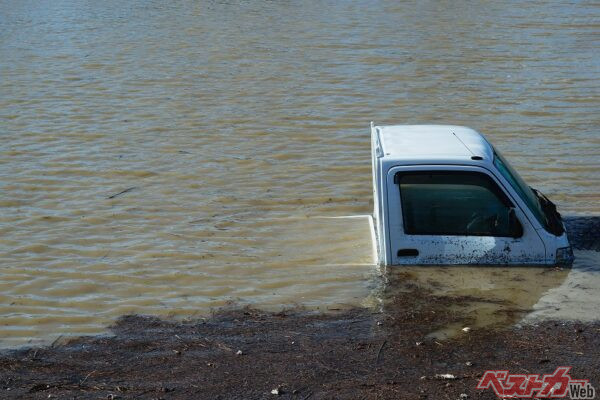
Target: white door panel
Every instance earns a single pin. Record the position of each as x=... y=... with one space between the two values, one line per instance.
x=455 y=249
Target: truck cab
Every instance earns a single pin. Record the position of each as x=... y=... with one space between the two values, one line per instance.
x=444 y=195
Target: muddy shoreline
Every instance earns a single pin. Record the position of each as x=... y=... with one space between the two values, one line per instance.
x=249 y=354
x=392 y=352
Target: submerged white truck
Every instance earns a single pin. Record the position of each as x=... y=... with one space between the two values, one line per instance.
x=444 y=195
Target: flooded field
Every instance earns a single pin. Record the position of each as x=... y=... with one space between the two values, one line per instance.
x=167 y=159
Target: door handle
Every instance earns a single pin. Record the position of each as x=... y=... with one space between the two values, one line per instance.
x=408 y=253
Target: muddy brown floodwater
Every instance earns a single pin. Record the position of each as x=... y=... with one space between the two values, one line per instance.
x=170 y=158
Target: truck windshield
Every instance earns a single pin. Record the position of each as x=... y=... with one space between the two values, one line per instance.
x=519 y=185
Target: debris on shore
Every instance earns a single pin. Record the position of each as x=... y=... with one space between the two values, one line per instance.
x=298 y=354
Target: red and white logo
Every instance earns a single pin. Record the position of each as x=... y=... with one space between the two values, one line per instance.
x=556 y=385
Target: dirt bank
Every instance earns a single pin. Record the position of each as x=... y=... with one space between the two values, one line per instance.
x=246 y=354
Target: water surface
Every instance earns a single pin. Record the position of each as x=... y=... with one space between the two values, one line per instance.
x=233 y=123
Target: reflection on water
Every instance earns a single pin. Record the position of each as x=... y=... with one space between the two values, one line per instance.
x=227 y=118
x=500 y=295
x=503 y=296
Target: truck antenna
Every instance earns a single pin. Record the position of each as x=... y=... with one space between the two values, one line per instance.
x=463 y=143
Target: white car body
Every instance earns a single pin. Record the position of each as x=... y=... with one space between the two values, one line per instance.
x=423 y=154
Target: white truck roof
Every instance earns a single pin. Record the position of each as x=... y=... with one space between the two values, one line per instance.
x=433 y=144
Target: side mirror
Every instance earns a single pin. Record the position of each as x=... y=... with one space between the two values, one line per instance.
x=515 y=228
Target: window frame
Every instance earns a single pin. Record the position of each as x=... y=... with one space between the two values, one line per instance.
x=497 y=190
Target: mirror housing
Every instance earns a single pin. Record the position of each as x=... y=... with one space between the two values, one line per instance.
x=514 y=225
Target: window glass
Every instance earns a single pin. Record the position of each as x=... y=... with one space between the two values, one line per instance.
x=453 y=203
x=520 y=187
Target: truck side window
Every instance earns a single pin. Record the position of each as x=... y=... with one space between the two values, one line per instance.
x=453 y=203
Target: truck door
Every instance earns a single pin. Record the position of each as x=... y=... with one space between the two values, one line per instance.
x=456 y=215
